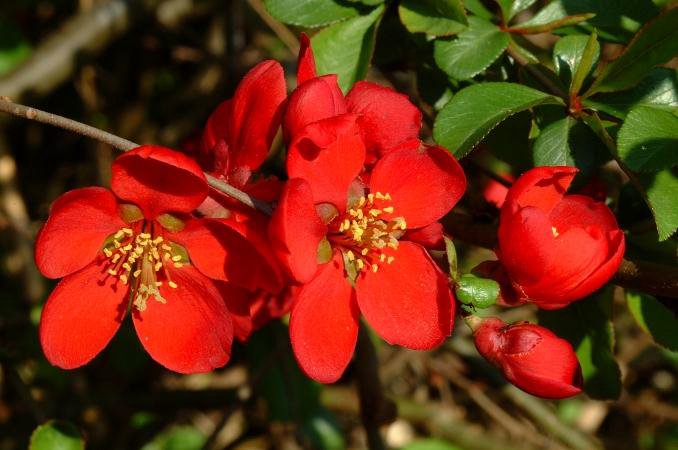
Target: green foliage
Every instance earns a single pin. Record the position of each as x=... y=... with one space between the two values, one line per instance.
x=56 y=435
x=434 y=17
x=430 y=444
x=655 y=43
x=452 y=262
x=476 y=110
x=473 y=51
x=13 y=46
x=509 y=8
x=311 y=13
x=660 y=191
x=177 y=438
x=587 y=325
x=648 y=139
x=346 y=48
x=654 y=318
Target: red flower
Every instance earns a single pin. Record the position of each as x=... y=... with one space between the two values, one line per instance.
x=343 y=239
x=138 y=248
x=235 y=142
x=556 y=248
x=531 y=357
x=385 y=118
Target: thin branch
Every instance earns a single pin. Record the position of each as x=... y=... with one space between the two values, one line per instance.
x=543 y=79
x=26 y=112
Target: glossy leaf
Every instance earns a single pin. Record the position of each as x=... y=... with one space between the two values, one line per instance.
x=654 y=318
x=509 y=8
x=587 y=325
x=346 y=48
x=56 y=435
x=660 y=190
x=551 y=26
x=178 y=438
x=570 y=56
x=473 y=51
x=566 y=142
x=660 y=87
x=310 y=13
x=655 y=43
x=434 y=17
x=648 y=139
x=476 y=110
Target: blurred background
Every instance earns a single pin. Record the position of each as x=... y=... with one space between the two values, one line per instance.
x=151 y=71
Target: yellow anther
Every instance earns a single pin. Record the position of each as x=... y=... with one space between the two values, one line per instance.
x=364 y=251
x=360 y=214
x=127 y=247
x=157 y=266
x=127 y=267
x=176 y=258
x=127 y=231
x=116 y=257
x=361 y=202
x=158 y=283
x=158 y=240
x=112 y=272
x=360 y=264
x=350 y=255
x=554 y=231
x=390 y=259
x=107 y=252
x=137 y=273
x=387 y=196
x=123 y=278
x=167 y=256
x=379 y=195
x=154 y=252
x=116 y=243
x=118 y=234
x=392 y=244
x=346 y=224
x=166 y=247
x=144 y=235
x=370 y=198
x=353 y=212
x=375 y=212
x=388 y=209
x=178 y=265
x=375 y=268
x=172 y=284
x=382 y=257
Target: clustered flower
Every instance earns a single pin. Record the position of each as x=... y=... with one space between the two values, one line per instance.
x=351 y=236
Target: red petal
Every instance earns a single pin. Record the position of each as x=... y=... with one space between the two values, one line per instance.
x=305 y=61
x=238 y=302
x=190 y=333
x=526 y=245
x=158 y=180
x=386 y=117
x=256 y=114
x=296 y=230
x=324 y=323
x=329 y=154
x=425 y=182
x=430 y=236
x=220 y=252
x=408 y=302
x=541 y=187
x=81 y=316
x=78 y=224
x=581 y=211
x=317 y=99
x=216 y=131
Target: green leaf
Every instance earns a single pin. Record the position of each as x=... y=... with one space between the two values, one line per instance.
x=586 y=324
x=346 y=48
x=660 y=87
x=434 y=17
x=660 y=190
x=473 y=51
x=323 y=431
x=451 y=253
x=648 y=139
x=570 y=56
x=476 y=110
x=509 y=8
x=430 y=444
x=310 y=13
x=550 y=26
x=654 y=318
x=180 y=437
x=585 y=64
x=479 y=292
x=567 y=142
x=14 y=49
x=477 y=8
x=433 y=86
x=655 y=43
x=56 y=435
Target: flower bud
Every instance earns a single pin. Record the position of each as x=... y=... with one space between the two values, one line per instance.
x=531 y=357
x=556 y=248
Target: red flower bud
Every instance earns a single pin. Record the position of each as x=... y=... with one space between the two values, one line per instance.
x=531 y=357
x=556 y=248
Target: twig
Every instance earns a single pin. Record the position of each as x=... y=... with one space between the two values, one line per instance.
x=284 y=34
x=543 y=79
x=26 y=112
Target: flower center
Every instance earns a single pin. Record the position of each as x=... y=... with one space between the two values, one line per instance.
x=363 y=234
x=139 y=259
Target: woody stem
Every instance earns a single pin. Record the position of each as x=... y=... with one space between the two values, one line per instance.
x=27 y=112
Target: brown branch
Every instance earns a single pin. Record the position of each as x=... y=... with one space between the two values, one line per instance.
x=26 y=112
x=650 y=277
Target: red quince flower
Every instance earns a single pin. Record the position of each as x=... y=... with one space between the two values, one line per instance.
x=343 y=238
x=531 y=357
x=384 y=117
x=234 y=143
x=556 y=248
x=136 y=247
